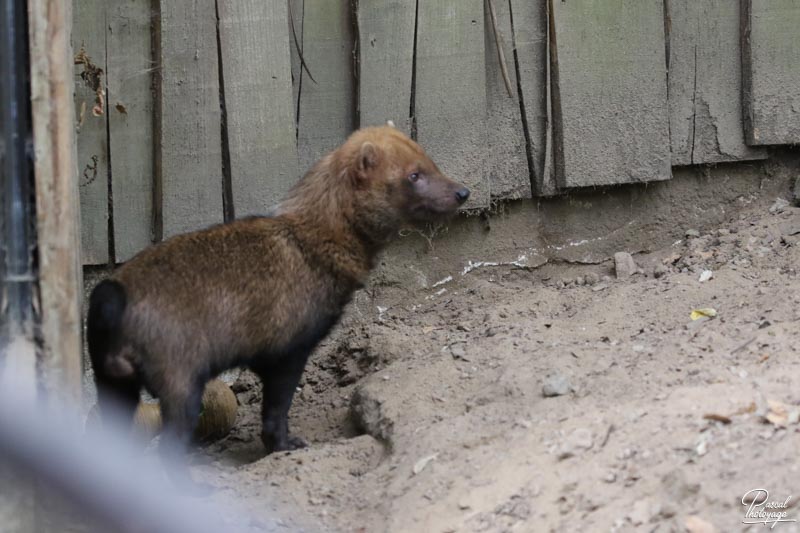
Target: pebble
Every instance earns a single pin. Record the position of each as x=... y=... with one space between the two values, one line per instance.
x=624 y=265
x=705 y=275
x=692 y=233
x=458 y=352
x=577 y=441
x=659 y=270
x=556 y=385
x=591 y=278
x=779 y=205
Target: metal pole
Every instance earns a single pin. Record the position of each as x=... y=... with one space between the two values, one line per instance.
x=17 y=178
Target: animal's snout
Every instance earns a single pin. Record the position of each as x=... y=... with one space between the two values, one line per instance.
x=462 y=195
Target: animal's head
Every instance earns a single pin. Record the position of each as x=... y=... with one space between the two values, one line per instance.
x=394 y=179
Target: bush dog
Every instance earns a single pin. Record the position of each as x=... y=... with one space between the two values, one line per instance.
x=259 y=292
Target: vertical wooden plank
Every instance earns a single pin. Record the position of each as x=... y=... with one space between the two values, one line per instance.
x=130 y=109
x=327 y=107
x=58 y=219
x=257 y=78
x=705 y=83
x=88 y=33
x=530 y=29
x=191 y=145
x=611 y=119
x=450 y=93
x=386 y=61
x=771 y=87
x=509 y=175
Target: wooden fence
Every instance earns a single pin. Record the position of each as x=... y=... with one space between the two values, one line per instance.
x=191 y=112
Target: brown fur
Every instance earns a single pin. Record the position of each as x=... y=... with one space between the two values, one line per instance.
x=264 y=291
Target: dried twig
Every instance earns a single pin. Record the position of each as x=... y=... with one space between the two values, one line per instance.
x=498 y=40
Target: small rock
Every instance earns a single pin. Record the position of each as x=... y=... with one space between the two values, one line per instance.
x=579 y=440
x=705 y=275
x=624 y=265
x=580 y=280
x=458 y=352
x=695 y=524
x=640 y=513
x=691 y=233
x=420 y=465
x=591 y=278
x=659 y=270
x=610 y=477
x=779 y=205
x=556 y=385
x=599 y=287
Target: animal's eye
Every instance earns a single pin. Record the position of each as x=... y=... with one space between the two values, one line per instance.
x=413 y=177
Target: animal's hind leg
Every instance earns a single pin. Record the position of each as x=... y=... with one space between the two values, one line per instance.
x=180 y=411
x=117 y=399
x=280 y=381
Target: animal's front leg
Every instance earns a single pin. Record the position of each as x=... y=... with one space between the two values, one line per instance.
x=280 y=381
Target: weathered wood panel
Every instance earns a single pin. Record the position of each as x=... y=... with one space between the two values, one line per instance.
x=130 y=109
x=257 y=78
x=509 y=175
x=327 y=107
x=450 y=95
x=771 y=48
x=705 y=80
x=610 y=92
x=191 y=146
x=386 y=60
x=89 y=21
x=530 y=30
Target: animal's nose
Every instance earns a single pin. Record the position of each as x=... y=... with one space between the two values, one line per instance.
x=462 y=194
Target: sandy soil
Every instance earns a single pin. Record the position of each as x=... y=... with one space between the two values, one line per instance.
x=551 y=399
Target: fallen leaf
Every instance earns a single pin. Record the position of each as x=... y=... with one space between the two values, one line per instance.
x=708 y=312
x=782 y=415
x=747 y=409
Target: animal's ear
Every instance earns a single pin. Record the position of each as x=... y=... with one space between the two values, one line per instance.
x=368 y=157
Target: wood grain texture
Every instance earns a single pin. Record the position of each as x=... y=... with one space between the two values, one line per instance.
x=327 y=107
x=532 y=54
x=191 y=130
x=386 y=60
x=705 y=80
x=450 y=93
x=58 y=218
x=130 y=109
x=257 y=77
x=509 y=175
x=89 y=21
x=611 y=119
x=771 y=71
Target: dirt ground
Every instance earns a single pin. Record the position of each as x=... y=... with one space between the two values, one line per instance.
x=557 y=398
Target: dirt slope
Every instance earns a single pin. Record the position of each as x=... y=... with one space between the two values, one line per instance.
x=428 y=413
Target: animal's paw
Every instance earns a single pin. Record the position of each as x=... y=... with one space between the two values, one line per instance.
x=295 y=443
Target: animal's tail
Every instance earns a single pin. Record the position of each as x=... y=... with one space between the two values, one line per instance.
x=115 y=376
x=106 y=307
